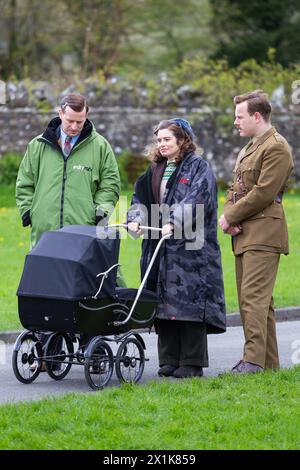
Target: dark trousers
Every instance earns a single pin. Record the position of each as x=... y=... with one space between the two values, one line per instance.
x=182 y=343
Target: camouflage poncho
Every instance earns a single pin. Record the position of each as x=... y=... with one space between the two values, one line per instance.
x=188 y=281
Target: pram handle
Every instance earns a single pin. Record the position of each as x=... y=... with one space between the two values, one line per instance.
x=143 y=227
x=104 y=276
x=165 y=237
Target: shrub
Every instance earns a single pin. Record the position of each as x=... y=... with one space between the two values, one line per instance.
x=9 y=165
x=131 y=166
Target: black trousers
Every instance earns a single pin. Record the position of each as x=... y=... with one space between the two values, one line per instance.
x=182 y=343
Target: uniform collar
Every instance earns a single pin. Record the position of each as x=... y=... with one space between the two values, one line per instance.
x=258 y=141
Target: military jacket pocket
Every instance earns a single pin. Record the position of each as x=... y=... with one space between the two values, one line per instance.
x=249 y=175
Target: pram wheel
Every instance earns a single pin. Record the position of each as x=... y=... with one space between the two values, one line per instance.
x=26 y=358
x=99 y=364
x=130 y=361
x=59 y=352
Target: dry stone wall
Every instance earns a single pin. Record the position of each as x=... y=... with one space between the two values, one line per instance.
x=130 y=128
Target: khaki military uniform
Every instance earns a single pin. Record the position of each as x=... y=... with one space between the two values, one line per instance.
x=255 y=202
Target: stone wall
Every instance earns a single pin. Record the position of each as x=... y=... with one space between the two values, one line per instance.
x=130 y=128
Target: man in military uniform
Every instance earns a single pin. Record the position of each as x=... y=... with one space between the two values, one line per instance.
x=254 y=216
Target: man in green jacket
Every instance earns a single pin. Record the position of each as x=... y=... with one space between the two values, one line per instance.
x=69 y=174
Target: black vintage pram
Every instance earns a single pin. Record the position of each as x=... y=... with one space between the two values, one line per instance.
x=68 y=291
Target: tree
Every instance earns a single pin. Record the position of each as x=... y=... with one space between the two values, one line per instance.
x=163 y=33
x=57 y=38
x=99 y=27
x=32 y=38
x=248 y=29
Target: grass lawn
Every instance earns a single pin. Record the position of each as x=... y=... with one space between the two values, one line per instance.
x=260 y=411
x=14 y=244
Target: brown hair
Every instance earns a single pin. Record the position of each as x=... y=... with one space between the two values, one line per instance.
x=257 y=102
x=76 y=102
x=184 y=140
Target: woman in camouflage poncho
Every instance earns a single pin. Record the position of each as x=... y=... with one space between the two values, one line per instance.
x=188 y=274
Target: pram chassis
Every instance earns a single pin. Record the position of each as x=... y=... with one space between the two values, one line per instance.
x=58 y=354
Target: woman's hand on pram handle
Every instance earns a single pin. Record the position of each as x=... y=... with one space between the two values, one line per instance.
x=167 y=229
x=135 y=229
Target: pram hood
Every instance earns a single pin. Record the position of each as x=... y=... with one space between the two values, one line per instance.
x=64 y=264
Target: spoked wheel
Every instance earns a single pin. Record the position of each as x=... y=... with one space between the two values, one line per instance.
x=27 y=357
x=99 y=366
x=130 y=361
x=59 y=353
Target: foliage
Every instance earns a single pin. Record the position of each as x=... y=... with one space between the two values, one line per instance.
x=122 y=164
x=197 y=84
x=253 y=412
x=131 y=167
x=246 y=30
x=162 y=34
x=88 y=36
x=122 y=37
x=214 y=83
x=9 y=165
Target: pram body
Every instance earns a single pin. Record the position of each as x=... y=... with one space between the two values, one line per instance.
x=59 y=294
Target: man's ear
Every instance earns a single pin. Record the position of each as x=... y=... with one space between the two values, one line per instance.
x=60 y=113
x=258 y=116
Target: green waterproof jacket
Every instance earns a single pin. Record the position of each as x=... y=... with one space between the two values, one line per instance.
x=52 y=192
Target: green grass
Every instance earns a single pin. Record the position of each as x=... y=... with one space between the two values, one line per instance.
x=259 y=411
x=14 y=244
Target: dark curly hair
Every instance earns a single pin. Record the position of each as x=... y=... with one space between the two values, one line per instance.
x=184 y=139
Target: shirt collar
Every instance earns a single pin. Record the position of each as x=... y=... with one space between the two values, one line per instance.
x=63 y=136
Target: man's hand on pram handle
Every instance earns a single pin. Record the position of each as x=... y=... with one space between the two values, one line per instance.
x=135 y=228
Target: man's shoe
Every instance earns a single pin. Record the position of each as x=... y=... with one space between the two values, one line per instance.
x=236 y=368
x=166 y=370
x=188 y=371
x=244 y=367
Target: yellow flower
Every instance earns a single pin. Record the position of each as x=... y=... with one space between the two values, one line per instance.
x=3 y=209
x=222 y=199
x=21 y=244
x=1 y=239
